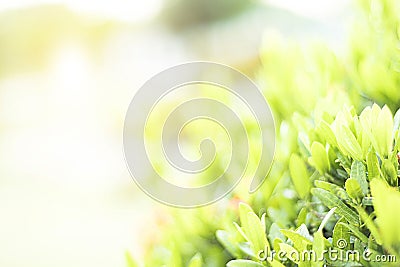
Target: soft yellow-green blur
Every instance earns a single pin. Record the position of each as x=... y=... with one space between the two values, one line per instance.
x=68 y=70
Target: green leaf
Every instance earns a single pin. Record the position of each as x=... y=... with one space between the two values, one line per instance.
x=383 y=131
x=299 y=175
x=320 y=158
x=319 y=240
x=354 y=190
x=301 y=219
x=246 y=249
x=318 y=247
x=324 y=185
x=276 y=243
x=341 y=236
x=370 y=224
x=325 y=130
x=355 y=231
x=224 y=238
x=275 y=263
x=289 y=252
x=389 y=172
x=331 y=201
x=396 y=142
x=372 y=165
x=241 y=232
x=243 y=263
x=244 y=209
x=326 y=219
x=396 y=122
x=263 y=221
x=348 y=143
x=196 y=261
x=253 y=229
x=358 y=173
x=275 y=232
x=344 y=161
x=303 y=231
x=366 y=120
x=386 y=204
x=256 y=233
x=334 y=189
x=363 y=137
x=299 y=242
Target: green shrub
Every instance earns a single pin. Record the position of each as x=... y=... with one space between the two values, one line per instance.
x=352 y=164
x=334 y=182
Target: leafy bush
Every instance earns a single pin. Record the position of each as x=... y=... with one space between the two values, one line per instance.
x=348 y=167
x=334 y=182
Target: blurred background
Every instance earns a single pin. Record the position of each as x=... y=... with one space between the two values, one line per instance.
x=68 y=71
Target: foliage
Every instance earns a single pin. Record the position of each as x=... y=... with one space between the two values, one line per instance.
x=357 y=184
x=334 y=183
